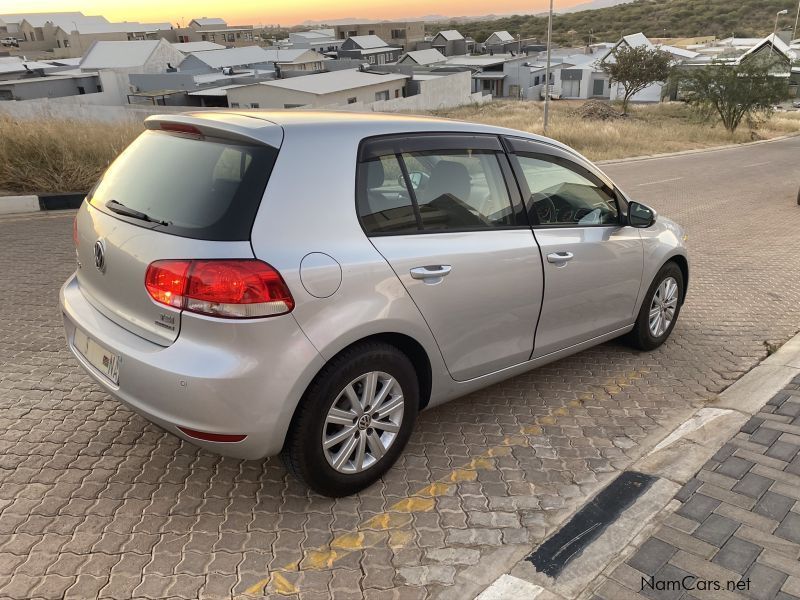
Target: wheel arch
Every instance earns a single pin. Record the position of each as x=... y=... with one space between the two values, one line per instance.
x=683 y=265
x=406 y=344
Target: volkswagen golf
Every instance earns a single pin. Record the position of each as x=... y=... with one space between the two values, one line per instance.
x=303 y=284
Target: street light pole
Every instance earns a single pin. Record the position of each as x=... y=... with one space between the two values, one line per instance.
x=547 y=69
x=796 y=19
x=775 y=29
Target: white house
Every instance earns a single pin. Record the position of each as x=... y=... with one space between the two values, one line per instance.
x=115 y=61
x=656 y=91
x=349 y=86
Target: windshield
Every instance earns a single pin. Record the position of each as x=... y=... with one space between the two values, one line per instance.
x=200 y=189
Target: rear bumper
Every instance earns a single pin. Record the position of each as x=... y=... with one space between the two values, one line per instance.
x=219 y=376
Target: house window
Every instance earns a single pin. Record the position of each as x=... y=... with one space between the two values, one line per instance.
x=81 y=89
x=352 y=100
x=381 y=95
x=66 y=43
x=255 y=105
x=397 y=93
x=58 y=43
x=230 y=37
x=372 y=32
x=234 y=105
x=399 y=34
x=204 y=37
x=248 y=35
x=536 y=80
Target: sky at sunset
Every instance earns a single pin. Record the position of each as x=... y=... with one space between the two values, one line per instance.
x=272 y=12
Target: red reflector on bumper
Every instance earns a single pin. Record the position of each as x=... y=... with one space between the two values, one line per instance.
x=212 y=437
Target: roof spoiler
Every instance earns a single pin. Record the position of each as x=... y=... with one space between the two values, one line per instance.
x=221 y=125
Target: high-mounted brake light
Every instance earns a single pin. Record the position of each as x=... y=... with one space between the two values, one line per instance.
x=237 y=288
x=183 y=128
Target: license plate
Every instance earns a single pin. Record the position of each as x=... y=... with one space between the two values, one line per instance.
x=101 y=359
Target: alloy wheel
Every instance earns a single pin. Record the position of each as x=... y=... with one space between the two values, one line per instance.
x=363 y=422
x=663 y=307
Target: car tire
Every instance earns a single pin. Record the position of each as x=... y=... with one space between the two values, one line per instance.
x=668 y=284
x=320 y=419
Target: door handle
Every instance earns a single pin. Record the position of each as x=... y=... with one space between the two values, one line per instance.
x=560 y=258
x=431 y=272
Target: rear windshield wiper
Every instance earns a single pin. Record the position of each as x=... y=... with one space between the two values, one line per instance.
x=121 y=209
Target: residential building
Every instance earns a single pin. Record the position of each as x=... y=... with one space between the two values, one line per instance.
x=423 y=58
x=319 y=40
x=36 y=31
x=251 y=57
x=405 y=34
x=51 y=86
x=115 y=61
x=74 y=40
x=492 y=74
x=369 y=48
x=215 y=29
x=207 y=23
x=324 y=89
x=771 y=50
x=451 y=43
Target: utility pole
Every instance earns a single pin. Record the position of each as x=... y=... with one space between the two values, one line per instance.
x=796 y=19
x=547 y=69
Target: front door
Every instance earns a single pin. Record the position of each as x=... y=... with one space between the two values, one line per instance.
x=439 y=210
x=592 y=262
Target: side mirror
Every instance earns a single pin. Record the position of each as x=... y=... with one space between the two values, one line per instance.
x=641 y=216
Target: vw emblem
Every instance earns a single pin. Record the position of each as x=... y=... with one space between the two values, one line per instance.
x=99 y=256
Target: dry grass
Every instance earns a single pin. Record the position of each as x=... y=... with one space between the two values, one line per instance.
x=650 y=129
x=47 y=155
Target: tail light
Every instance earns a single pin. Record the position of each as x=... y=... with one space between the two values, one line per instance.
x=237 y=289
x=75 y=231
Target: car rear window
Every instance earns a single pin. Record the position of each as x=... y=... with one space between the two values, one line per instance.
x=202 y=189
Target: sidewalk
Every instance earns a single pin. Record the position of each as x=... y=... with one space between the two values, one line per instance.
x=738 y=525
x=712 y=512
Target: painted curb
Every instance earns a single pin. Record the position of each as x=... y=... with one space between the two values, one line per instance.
x=620 y=161
x=12 y=205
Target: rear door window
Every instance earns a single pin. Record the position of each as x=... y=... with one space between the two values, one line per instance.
x=459 y=189
x=202 y=189
x=431 y=183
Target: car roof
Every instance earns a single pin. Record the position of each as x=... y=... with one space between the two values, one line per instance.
x=362 y=125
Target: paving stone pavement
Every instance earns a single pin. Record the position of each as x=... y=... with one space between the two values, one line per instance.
x=738 y=526
x=95 y=501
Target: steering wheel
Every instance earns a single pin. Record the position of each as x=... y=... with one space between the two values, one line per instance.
x=546 y=210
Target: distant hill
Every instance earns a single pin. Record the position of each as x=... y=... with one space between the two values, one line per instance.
x=656 y=18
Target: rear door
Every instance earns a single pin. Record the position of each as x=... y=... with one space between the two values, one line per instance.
x=200 y=194
x=592 y=262
x=441 y=212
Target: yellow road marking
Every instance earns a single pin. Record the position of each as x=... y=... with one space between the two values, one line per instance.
x=400 y=514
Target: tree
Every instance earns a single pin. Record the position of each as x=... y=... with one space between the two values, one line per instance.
x=634 y=68
x=735 y=91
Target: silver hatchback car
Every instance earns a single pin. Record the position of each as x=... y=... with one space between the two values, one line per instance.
x=302 y=284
